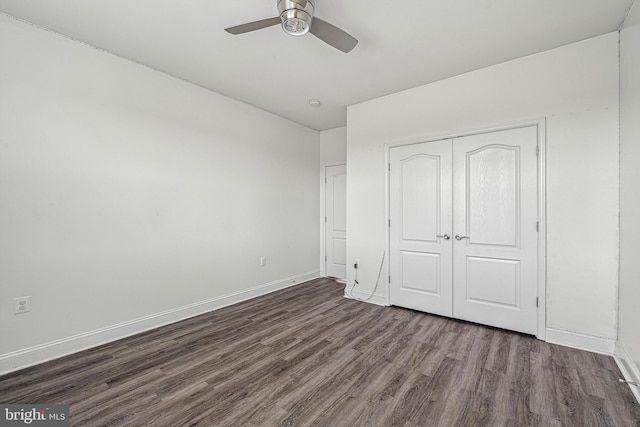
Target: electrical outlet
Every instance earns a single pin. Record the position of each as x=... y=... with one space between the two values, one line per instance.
x=21 y=305
x=263 y=261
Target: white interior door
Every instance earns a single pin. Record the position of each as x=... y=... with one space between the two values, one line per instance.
x=421 y=227
x=336 y=221
x=481 y=191
x=495 y=226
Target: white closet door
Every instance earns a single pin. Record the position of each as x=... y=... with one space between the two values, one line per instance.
x=336 y=221
x=495 y=220
x=420 y=215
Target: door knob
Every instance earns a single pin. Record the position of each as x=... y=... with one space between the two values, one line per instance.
x=444 y=236
x=459 y=237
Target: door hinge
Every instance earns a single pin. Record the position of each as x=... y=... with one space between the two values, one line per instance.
x=538 y=226
x=325 y=258
x=325 y=219
x=325 y=179
x=537 y=302
x=389 y=167
x=389 y=223
x=537 y=150
x=389 y=279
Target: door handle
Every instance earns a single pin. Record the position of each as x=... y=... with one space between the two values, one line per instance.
x=459 y=237
x=444 y=236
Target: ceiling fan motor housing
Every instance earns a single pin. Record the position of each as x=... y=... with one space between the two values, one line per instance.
x=296 y=16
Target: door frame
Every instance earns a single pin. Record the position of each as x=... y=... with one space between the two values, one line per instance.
x=323 y=214
x=540 y=123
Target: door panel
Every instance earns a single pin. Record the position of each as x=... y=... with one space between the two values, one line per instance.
x=495 y=205
x=336 y=221
x=421 y=212
x=420 y=271
x=339 y=191
x=420 y=200
x=504 y=276
x=493 y=210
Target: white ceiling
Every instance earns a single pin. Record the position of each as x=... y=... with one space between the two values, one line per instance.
x=403 y=44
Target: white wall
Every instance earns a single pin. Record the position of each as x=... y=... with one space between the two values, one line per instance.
x=629 y=327
x=333 y=146
x=576 y=88
x=333 y=151
x=125 y=192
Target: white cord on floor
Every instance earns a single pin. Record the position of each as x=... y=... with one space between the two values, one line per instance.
x=355 y=282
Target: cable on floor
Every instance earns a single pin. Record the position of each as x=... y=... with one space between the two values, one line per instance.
x=355 y=282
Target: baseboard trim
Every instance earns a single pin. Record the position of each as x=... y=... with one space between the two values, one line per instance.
x=581 y=341
x=24 y=358
x=628 y=368
x=365 y=296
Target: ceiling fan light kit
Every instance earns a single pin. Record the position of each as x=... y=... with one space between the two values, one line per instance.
x=296 y=19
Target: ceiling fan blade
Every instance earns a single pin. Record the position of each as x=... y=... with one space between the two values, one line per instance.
x=332 y=35
x=252 y=26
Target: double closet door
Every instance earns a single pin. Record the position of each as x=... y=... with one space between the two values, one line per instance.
x=464 y=231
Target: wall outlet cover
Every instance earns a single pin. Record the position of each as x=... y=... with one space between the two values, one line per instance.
x=21 y=305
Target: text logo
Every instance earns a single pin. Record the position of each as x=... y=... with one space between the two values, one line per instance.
x=34 y=415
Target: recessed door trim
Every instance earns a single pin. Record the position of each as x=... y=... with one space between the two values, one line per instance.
x=541 y=201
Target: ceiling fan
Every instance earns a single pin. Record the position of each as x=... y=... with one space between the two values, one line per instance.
x=296 y=18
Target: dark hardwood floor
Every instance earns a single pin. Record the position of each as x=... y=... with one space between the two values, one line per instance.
x=308 y=356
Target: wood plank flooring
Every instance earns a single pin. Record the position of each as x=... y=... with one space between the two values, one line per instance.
x=307 y=356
